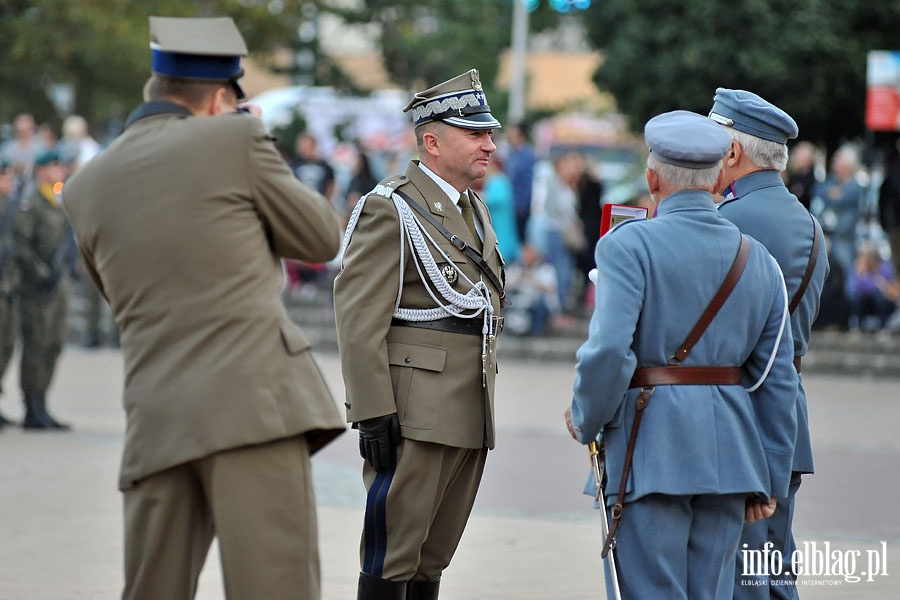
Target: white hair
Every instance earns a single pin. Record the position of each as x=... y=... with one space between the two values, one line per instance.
x=765 y=154
x=684 y=178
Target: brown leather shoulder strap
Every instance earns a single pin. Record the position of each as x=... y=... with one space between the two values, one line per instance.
x=731 y=279
x=810 y=268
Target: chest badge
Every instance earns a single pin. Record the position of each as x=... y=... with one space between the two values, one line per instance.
x=438 y=207
x=450 y=274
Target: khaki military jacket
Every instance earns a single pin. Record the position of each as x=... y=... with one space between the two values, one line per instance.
x=433 y=379
x=182 y=222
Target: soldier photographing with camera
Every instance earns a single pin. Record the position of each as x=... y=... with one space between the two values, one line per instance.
x=182 y=224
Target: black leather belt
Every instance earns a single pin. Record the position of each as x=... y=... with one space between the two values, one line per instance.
x=451 y=324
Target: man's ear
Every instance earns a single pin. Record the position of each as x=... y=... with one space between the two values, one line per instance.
x=219 y=102
x=431 y=143
x=653 y=182
x=734 y=154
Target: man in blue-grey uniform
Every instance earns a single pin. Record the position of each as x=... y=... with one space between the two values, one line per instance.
x=757 y=201
x=689 y=336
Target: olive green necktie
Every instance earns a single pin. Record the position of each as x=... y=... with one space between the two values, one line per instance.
x=465 y=209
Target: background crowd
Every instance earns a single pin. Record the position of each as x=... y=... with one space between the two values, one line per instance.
x=546 y=211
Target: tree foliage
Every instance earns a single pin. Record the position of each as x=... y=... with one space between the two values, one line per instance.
x=425 y=42
x=100 y=48
x=807 y=57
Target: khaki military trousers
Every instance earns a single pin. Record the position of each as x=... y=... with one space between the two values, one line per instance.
x=416 y=514
x=257 y=500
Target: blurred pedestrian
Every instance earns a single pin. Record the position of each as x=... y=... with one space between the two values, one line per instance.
x=362 y=181
x=757 y=201
x=224 y=401
x=21 y=151
x=801 y=172
x=709 y=454
x=589 y=188
x=77 y=146
x=8 y=274
x=498 y=195
x=418 y=304
x=309 y=166
x=531 y=285
x=840 y=201
x=45 y=254
x=555 y=227
x=520 y=168
x=889 y=203
x=873 y=290
x=315 y=172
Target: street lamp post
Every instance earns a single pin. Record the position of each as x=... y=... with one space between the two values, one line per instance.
x=517 y=62
x=519 y=50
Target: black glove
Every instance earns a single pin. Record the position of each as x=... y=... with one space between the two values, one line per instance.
x=378 y=439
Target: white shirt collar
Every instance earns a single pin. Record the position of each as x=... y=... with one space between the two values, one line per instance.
x=451 y=191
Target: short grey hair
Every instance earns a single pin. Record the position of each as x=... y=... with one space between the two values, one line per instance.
x=684 y=178
x=764 y=154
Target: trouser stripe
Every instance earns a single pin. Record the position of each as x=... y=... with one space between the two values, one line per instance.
x=375 y=527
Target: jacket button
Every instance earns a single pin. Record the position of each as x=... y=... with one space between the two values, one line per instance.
x=407 y=360
x=346 y=404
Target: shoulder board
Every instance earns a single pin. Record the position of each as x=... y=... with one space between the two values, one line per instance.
x=622 y=224
x=387 y=186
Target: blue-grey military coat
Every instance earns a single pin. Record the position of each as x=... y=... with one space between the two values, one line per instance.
x=655 y=278
x=763 y=208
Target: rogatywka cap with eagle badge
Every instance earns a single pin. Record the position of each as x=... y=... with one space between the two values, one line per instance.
x=459 y=102
x=206 y=49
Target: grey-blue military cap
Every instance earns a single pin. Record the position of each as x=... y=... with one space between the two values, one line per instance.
x=747 y=112
x=686 y=139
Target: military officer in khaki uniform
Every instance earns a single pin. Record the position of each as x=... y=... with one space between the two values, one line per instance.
x=418 y=305
x=182 y=224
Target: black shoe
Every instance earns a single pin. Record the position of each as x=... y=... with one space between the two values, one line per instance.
x=422 y=590
x=37 y=417
x=375 y=588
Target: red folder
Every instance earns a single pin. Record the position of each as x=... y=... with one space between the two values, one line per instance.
x=613 y=214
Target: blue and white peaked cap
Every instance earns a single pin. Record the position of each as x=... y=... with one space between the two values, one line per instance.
x=207 y=49
x=459 y=102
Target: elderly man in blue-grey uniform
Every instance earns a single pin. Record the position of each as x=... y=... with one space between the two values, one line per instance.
x=717 y=440
x=757 y=201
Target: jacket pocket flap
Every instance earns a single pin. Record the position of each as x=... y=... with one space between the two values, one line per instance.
x=456 y=255
x=294 y=340
x=430 y=358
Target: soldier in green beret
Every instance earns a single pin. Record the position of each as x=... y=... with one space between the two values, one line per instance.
x=44 y=251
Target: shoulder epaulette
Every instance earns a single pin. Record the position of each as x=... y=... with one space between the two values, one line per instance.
x=387 y=186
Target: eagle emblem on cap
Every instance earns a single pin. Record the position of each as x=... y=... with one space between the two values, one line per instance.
x=450 y=274
x=476 y=80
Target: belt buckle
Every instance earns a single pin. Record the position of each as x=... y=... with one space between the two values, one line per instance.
x=497 y=322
